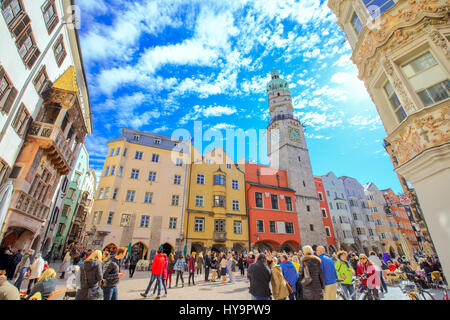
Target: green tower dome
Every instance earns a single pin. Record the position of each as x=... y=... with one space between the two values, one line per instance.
x=276 y=83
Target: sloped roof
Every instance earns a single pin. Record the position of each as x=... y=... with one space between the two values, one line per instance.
x=67 y=81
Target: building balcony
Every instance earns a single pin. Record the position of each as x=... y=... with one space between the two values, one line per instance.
x=220 y=236
x=362 y=237
x=359 y=223
x=103 y=229
x=346 y=226
x=51 y=139
x=349 y=240
x=28 y=206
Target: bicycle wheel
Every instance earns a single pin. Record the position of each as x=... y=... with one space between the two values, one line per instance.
x=340 y=296
x=425 y=295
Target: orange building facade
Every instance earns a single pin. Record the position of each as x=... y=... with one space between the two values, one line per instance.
x=271 y=210
x=401 y=218
x=327 y=222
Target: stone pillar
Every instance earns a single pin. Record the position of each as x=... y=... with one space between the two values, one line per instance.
x=155 y=237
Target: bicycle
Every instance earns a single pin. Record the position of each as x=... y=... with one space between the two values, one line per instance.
x=413 y=289
x=361 y=292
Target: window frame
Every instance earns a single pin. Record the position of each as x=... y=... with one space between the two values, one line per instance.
x=52 y=22
x=257 y=226
x=199 y=224
x=61 y=55
x=148 y=197
x=237 y=223
x=145 y=221
x=277 y=207
x=20 y=123
x=198 y=198
x=256 y=199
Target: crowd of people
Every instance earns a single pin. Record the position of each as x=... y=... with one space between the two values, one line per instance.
x=309 y=274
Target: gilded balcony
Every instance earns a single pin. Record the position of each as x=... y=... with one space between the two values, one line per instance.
x=52 y=140
x=28 y=206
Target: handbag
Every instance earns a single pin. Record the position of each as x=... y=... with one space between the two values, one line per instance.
x=307 y=277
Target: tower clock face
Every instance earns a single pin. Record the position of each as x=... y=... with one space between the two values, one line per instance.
x=294 y=134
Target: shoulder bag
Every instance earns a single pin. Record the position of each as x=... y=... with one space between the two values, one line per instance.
x=307 y=277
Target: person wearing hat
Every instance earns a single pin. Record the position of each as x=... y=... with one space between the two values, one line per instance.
x=259 y=276
x=345 y=274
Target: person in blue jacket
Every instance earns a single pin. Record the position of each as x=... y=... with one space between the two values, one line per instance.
x=329 y=273
x=290 y=274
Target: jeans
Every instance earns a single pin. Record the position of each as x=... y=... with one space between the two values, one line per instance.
x=20 y=278
x=260 y=298
x=179 y=274
x=164 y=283
x=348 y=290
x=153 y=278
x=110 y=293
x=383 y=284
x=231 y=275
x=292 y=296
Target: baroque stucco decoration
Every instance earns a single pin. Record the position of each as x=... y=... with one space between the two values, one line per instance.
x=398 y=85
x=394 y=29
x=430 y=130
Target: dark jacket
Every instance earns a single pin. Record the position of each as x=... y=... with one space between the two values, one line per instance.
x=44 y=287
x=90 y=276
x=207 y=259
x=134 y=259
x=111 y=272
x=313 y=291
x=259 y=276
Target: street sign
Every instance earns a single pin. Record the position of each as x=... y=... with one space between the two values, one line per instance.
x=404 y=200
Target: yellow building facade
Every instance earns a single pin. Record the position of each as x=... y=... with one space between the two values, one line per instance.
x=140 y=196
x=385 y=225
x=215 y=216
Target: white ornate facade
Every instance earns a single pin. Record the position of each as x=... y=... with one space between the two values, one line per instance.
x=402 y=52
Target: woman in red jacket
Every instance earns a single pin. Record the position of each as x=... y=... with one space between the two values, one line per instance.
x=191 y=265
x=369 y=277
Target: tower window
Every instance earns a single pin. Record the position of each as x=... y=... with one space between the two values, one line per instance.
x=278 y=94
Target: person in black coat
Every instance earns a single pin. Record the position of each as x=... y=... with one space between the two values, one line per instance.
x=241 y=263
x=133 y=262
x=90 y=277
x=259 y=276
x=207 y=263
x=314 y=290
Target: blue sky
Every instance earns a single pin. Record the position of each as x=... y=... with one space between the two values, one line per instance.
x=159 y=65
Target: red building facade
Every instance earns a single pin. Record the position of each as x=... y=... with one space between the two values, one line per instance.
x=327 y=221
x=271 y=209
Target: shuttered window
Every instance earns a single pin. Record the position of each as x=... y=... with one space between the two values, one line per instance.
x=7 y=92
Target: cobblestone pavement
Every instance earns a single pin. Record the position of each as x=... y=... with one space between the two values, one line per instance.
x=130 y=288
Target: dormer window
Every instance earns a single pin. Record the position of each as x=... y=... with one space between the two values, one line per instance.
x=136 y=137
x=377 y=7
x=157 y=141
x=356 y=23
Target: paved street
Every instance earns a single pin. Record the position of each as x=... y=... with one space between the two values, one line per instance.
x=129 y=288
